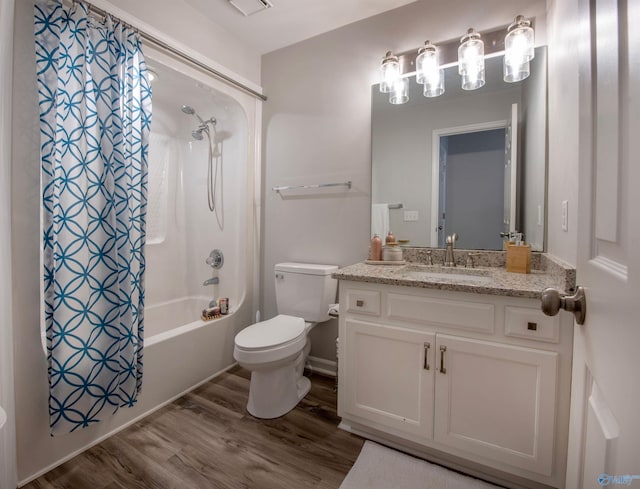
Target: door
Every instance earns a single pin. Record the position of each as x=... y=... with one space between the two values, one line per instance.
x=496 y=401
x=604 y=441
x=467 y=184
x=388 y=377
x=471 y=180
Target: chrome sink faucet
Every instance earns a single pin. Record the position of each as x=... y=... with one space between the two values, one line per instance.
x=449 y=258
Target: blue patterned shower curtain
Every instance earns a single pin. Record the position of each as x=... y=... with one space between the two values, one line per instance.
x=95 y=115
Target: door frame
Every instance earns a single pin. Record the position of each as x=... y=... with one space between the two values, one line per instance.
x=8 y=461
x=437 y=134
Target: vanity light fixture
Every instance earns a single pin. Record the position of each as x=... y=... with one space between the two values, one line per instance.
x=400 y=92
x=389 y=72
x=471 y=60
x=428 y=71
x=517 y=45
x=518 y=50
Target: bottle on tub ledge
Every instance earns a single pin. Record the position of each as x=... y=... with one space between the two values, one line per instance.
x=375 y=250
x=216 y=311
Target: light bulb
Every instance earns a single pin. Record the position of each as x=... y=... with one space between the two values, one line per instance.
x=389 y=72
x=428 y=70
x=400 y=92
x=471 y=60
x=518 y=50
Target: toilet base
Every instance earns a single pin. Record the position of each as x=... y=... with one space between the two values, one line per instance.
x=274 y=392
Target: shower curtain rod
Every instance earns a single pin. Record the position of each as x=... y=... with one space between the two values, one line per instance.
x=163 y=45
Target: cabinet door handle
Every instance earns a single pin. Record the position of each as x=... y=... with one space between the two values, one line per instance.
x=426 y=355
x=443 y=349
x=359 y=303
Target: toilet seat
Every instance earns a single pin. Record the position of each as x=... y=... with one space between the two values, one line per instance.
x=271 y=333
x=270 y=341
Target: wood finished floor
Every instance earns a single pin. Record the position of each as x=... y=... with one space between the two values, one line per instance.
x=206 y=439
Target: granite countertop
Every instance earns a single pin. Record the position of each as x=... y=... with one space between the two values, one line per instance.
x=493 y=280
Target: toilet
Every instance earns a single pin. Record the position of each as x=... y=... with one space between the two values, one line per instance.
x=275 y=351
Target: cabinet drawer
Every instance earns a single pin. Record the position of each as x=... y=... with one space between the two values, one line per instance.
x=532 y=324
x=470 y=316
x=363 y=302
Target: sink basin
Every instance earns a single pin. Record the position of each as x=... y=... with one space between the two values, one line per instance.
x=427 y=274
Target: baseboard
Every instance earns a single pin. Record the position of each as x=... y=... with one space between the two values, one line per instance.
x=120 y=428
x=322 y=366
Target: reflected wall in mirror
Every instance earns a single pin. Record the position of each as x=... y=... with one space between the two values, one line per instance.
x=449 y=160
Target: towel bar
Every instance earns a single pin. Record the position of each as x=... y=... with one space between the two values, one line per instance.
x=319 y=185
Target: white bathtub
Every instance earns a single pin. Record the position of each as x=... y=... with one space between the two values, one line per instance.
x=171 y=318
x=182 y=351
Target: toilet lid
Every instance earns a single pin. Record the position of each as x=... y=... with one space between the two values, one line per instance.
x=274 y=332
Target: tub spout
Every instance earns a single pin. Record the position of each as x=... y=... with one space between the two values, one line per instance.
x=212 y=281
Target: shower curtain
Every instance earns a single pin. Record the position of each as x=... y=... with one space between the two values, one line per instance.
x=95 y=115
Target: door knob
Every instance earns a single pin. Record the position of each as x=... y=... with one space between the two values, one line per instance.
x=553 y=301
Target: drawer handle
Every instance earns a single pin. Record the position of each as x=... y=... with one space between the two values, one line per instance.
x=359 y=303
x=426 y=355
x=532 y=326
x=443 y=349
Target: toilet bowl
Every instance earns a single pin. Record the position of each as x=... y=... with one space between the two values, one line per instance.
x=275 y=350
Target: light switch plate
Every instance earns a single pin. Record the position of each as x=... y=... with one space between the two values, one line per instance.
x=565 y=215
x=410 y=216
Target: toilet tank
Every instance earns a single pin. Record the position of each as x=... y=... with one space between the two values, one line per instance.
x=305 y=290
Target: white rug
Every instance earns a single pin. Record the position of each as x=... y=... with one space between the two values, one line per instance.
x=380 y=467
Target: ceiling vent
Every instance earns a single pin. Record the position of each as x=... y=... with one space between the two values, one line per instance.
x=250 y=7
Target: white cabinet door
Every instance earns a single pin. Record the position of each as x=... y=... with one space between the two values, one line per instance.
x=496 y=401
x=387 y=377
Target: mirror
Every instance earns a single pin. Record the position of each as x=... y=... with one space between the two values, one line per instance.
x=467 y=162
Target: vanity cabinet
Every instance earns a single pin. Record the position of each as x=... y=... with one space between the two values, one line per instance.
x=477 y=377
x=389 y=379
x=496 y=401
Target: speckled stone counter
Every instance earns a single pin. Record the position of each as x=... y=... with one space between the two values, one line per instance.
x=494 y=280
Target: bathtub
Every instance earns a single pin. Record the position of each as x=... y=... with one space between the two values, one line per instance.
x=182 y=351
x=171 y=318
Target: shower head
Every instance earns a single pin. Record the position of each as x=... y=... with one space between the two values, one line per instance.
x=187 y=109
x=204 y=125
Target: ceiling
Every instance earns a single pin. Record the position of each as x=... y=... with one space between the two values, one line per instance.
x=290 y=21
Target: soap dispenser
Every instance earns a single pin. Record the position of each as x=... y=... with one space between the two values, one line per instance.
x=390 y=240
x=375 y=251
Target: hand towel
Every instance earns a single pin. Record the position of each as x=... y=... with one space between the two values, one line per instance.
x=380 y=220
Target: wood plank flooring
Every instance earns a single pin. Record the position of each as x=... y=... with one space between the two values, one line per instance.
x=206 y=439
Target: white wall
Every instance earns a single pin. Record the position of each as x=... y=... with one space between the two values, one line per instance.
x=8 y=474
x=178 y=20
x=317 y=128
x=563 y=129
